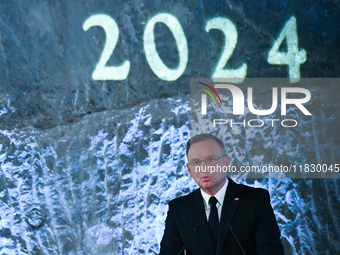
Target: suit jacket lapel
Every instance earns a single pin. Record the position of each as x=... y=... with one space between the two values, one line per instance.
x=203 y=232
x=230 y=205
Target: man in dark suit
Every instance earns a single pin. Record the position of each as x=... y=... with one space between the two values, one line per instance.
x=221 y=217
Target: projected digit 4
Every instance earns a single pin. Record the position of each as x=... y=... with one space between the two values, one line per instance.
x=293 y=57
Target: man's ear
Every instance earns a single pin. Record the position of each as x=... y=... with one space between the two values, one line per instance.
x=188 y=166
x=227 y=160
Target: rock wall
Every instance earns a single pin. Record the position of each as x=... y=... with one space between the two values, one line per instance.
x=101 y=186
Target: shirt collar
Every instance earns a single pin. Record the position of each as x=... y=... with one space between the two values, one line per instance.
x=219 y=195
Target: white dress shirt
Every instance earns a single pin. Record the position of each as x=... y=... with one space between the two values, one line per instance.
x=220 y=198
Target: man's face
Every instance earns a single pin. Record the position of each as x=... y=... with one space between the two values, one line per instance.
x=210 y=182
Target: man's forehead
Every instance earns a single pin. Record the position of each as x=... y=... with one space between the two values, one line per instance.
x=208 y=145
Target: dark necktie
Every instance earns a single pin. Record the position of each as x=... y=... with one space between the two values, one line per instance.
x=213 y=218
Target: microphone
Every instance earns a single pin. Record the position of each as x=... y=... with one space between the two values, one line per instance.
x=237 y=240
x=194 y=232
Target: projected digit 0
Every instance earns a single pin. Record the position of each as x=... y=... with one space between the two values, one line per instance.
x=230 y=40
x=293 y=57
x=102 y=72
x=154 y=61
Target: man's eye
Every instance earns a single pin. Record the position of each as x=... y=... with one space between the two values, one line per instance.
x=196 y=162
x=211 y=160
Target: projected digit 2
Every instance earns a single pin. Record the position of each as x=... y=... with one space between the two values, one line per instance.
x=154 y=61
x=102 y=72
x=293 y=57
x=230 y=35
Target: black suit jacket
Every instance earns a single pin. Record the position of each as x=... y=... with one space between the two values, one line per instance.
x=246 y=211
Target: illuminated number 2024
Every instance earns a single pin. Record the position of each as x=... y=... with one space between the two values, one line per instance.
x=102 y=72
x=293 y=57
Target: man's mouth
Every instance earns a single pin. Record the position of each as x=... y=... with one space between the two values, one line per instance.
x=205 y=178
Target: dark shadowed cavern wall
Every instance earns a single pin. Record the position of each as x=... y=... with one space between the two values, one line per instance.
x=92 y=142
